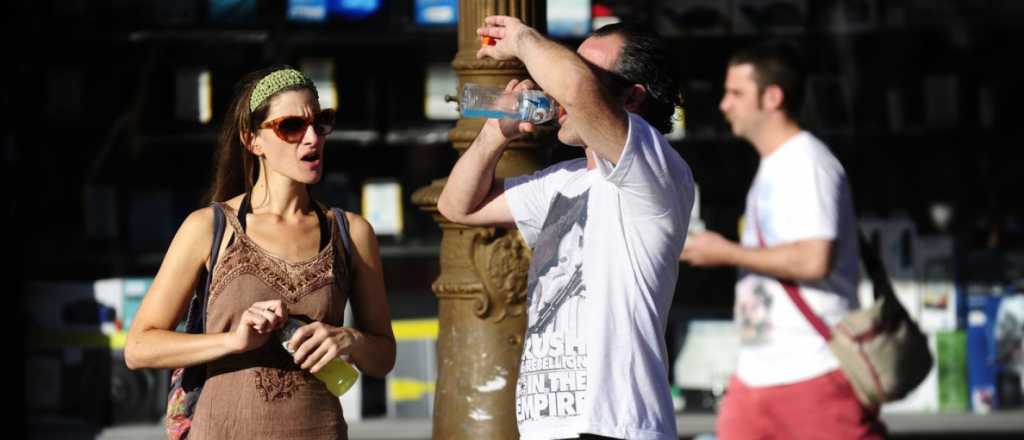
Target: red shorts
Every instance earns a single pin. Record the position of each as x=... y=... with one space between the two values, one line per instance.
x=820 y=408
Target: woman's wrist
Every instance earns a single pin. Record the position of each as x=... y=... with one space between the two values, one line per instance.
x=357 y=344
x=228 y=344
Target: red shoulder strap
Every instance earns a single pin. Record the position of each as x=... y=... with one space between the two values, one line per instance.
x=793 y=291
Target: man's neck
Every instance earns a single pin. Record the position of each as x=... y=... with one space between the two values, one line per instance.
x=591 y=159
x=773 y=136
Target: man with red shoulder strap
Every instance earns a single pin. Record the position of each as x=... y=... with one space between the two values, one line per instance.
x=799 y=226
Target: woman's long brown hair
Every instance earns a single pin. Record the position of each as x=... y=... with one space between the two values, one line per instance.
x=235 y=168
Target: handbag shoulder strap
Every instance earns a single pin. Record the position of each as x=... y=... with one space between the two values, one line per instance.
x=793 y=291
x=194 y=377
x=346 y=239
x=876 y=270
x=196 y=320
x=892 y=309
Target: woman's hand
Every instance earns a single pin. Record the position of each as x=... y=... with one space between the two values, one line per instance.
x=317 y=344
x=257 y=324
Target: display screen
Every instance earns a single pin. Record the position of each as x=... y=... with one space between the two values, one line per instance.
x=441 y=80
x=309 y=11
x=437 y=12
x=568 y=18
x=353 y=9
x=319 y=11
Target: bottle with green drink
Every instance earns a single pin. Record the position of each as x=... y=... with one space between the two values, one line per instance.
x=338 y=376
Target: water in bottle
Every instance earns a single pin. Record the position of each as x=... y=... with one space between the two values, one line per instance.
x=480 y=101
x=337 y=375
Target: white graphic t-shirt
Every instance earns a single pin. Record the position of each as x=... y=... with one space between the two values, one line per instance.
x=800 y=192
x=605 y=245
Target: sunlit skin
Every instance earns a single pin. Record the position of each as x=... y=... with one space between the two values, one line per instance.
x=757 y=116
x=741 y=102
x=595 y=116
x=282 y=223
x=600 y=52
x=283 y=160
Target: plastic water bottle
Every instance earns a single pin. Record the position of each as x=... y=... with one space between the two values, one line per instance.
x=337 y=375
x=480 y=101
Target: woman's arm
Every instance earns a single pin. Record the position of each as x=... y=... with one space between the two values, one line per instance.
x=370 y=344
x=152 y=341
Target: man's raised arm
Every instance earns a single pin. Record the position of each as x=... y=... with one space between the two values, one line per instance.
x=473 y=196
x=599 y=117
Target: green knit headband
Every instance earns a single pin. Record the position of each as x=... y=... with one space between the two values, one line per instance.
x=277 y=81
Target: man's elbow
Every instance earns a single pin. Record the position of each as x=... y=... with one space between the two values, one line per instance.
x=575 y=96
x=817 y=272
x=449 y=212
x=582 y=84
x=811 y=260
x=454 y=212
x=813 y=269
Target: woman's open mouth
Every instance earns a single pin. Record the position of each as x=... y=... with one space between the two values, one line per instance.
x=312 y=160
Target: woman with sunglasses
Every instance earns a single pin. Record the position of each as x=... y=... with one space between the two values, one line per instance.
x=281 y=257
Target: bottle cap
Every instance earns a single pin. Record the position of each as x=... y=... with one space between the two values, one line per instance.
x=285 y=334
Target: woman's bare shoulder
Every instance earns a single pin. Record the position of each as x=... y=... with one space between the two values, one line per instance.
x=358 y=224
x=198 y=224
x=358 y=227
x=233 y=203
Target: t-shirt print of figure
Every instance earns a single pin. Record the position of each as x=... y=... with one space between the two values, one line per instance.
x=753 y=311
x=553 y=372
x=558 y=292
x=555 y=285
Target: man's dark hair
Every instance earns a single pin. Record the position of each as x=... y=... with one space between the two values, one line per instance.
x=780 y=64
x=645 y=59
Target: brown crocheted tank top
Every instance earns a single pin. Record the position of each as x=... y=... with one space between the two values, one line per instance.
x=254 y=394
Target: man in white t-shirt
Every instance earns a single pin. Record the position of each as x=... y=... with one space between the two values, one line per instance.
x=605 y=231
x=799 y=226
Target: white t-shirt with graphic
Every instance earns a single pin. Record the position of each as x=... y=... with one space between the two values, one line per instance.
x=605 y=246
x=800 y=192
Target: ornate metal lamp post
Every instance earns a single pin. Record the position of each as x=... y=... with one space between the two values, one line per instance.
x=482 y=286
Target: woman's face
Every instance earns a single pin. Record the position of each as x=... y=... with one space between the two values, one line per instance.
x=302 y=160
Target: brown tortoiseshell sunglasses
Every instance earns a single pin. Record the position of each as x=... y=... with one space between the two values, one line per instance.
x=291 y=129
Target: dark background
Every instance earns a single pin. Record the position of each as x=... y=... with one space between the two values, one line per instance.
x=90 y=97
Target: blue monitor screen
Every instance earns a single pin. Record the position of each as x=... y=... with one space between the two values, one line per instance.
x=354 y=9
x=437 y=12
x=307 y=10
